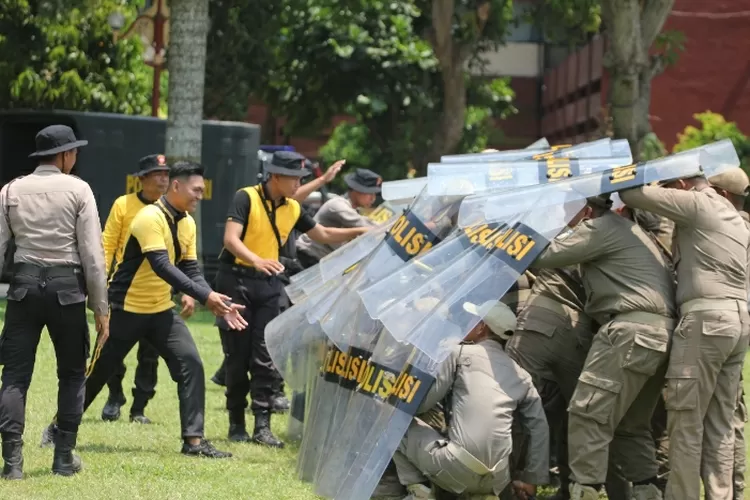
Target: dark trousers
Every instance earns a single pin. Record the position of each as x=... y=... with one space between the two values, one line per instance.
x=245 y=351
x=169 y=335
x=145 y=378
x=39 y=297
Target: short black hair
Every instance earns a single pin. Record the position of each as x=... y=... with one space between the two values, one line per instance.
x=183 y=169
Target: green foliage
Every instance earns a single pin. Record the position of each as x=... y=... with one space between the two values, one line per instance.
x=62 y=55
x=394 y=151
x=652 y=148
x=713 y=127
x=669 y=45
x=567 y=21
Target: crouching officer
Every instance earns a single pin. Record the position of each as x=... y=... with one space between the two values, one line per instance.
x=59 y=258
x=258 y=225
x=484 y=391
x=341 y=211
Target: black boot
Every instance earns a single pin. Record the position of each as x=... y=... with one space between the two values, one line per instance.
x=13 y=456
x=237 y=431
x=111 y=410
x=262 y=433
x=280 y=404
x=48 y=436
x=65 y=462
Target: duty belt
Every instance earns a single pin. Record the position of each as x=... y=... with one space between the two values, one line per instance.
x=697 y=305
x=646 y=318
x=36 y=271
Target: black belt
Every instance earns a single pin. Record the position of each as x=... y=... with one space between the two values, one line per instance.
x=36 y=271
x=244 y=271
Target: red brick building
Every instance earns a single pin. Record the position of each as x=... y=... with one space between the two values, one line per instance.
x=561 y=95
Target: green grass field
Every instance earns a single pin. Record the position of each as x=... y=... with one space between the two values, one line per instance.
x=130 y=461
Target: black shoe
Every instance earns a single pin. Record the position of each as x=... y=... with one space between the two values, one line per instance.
x=204 y=449
x=13 y=457
x=140 y=418
x=561 y=494
x=262 y=434
x=65 y=462
x=237 y=431
x=111 y=410
x=48 y=436
x=280 y=404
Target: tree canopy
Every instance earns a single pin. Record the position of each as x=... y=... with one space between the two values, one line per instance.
x=62 y=55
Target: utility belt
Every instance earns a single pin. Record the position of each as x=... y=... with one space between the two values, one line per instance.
x=501 y=470
x=244 y=271
x=43 y=272
x=646 y=318
x=697 y=305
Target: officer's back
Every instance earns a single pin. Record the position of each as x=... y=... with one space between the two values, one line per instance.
x=58 y=260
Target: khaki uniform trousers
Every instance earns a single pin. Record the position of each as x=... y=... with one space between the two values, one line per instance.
x=553 y=347
x=424 y=454
x=611 y=408
x=740 y=419
x=703 y=379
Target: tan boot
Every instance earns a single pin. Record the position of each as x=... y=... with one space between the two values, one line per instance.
x=419 y=492
x=581 y=492
x=647 y=492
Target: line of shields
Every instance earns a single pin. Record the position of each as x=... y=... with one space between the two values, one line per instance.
x=373 y=320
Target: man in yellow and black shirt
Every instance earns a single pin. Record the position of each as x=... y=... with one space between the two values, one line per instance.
x=153 y=174
x=258 y=225
x=160 y=254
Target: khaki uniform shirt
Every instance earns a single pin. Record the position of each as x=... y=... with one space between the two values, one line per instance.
x=565 y=287
x=488 y=387
x=661 y=227
x=54 y=219
x=710 y=242
x=623 y=269
x=746 y=217
x=336 y=212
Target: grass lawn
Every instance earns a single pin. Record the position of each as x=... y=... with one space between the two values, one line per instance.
x=130 y=461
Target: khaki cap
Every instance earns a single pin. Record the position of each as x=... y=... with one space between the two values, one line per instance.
x=733 y=181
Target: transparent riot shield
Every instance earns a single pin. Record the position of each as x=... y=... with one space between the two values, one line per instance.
x=343 y=258
x=708 y=160
x=540 y=144
x=388 y=394
x=594 y=149
x=412 y=276
x=306 y=279
x=452 y=179
x=403 y=189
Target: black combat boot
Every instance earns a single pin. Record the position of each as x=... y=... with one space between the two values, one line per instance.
x=12 y=456
x=48 y=436
x=111 y=410
x=280 y=404
x=65 y=462
x=262 y=433
x=237 y=431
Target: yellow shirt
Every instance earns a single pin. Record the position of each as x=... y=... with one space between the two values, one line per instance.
x=117 y=226
x=252 y=208
x=135 y=287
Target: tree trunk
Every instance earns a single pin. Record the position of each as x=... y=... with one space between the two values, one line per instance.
x=632 y=26
x=186 y=62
